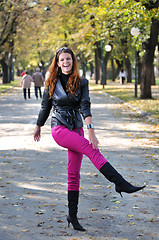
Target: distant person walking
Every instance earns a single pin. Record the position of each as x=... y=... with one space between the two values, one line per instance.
x=26 y=84
x=122 y=76
x=38 y=82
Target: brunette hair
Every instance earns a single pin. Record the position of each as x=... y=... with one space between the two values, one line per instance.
x=73 y=83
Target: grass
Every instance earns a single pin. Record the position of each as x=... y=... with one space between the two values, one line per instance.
x=156 y=81
x=6 y=86
x=126 y=93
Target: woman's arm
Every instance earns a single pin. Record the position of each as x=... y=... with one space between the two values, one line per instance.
x=86 y=112
x=46 y=106
x=37 y=133
x=91 y=133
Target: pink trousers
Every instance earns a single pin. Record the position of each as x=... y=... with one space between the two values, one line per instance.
x=77 y=146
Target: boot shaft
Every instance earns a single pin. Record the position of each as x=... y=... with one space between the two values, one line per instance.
x=110 y=173
x=73 y=197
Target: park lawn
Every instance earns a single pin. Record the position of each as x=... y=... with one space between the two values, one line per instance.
x=6 y=86
x=126 y=93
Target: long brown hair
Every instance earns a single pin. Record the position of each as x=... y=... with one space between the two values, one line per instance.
x=55 y=71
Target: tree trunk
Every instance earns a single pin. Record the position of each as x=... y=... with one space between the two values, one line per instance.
x=10 y=69
x=146 y=79
x=147 y=66
x=91 y=69
x=153 y=82
x=126 y=59
x=112 y=70
x=4 y=71
x=128 y=69
x=97 y=62
x=119 y=64
x=83 y=65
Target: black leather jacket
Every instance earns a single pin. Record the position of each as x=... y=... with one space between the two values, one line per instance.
x=67 y=108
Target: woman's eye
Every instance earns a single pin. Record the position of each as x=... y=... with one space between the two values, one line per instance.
x=67 y=59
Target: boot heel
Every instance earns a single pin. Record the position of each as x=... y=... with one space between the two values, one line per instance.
x=127 y=188
x=68 y=222
x=120 y=194
x=75 y=223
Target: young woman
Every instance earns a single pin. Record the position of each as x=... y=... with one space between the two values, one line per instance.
x=67 y=94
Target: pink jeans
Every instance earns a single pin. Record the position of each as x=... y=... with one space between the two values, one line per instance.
x=77 y=146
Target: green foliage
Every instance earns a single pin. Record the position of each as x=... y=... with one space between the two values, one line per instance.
x=78 y=24
x=67 y=2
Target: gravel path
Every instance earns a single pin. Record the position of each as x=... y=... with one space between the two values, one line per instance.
x=33 y=176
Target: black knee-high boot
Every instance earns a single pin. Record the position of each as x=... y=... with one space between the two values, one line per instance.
x=121 y=185
x=73 y=197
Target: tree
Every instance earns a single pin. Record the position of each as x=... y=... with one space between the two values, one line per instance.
x=82 y=25
x=10 y=11
x=149 y=46
x=118 y=17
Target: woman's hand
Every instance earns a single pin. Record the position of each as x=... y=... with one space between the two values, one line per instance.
x=91 y=133
x=37 y=133
x=92 y=138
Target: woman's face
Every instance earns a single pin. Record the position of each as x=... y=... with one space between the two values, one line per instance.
x=65 y=62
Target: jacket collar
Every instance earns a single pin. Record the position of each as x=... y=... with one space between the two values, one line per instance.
x=59 y=93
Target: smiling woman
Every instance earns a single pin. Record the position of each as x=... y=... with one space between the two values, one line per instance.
x=65 y=63
x=68 y=95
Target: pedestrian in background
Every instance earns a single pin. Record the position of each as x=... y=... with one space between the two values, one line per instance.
x=122 y=75
x=38 y=82
x=26 y=84
x=68 y=96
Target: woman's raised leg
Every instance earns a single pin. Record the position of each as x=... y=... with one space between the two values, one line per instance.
x=75 y=142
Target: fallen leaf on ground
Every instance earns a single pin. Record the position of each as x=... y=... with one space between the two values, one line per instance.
x=94 y=209
x=59 y=221
x=49 y=226
x=25 y=230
